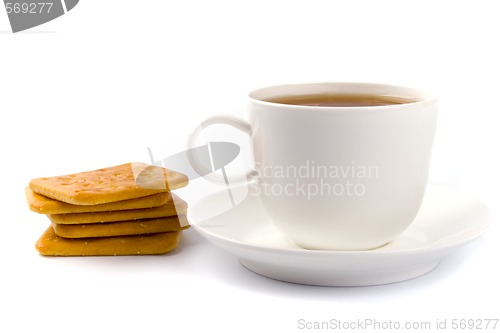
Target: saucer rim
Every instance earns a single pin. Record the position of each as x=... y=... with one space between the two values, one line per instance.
x=335 y=268
x=483 y=224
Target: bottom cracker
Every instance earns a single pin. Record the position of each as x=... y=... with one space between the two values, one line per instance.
x=50 y=244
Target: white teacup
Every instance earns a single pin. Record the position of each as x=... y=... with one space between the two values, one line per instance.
x=350 y=175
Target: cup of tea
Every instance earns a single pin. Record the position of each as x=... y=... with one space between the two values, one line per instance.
x=338 y=165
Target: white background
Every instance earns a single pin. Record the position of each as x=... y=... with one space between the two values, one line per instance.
x=99 y=85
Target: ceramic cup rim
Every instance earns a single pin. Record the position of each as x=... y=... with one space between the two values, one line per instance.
x=260 y=96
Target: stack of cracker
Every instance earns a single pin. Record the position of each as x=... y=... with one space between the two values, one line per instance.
x=127 y=209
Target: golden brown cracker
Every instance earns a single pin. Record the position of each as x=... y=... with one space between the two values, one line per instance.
x=117 y=183
x=50 y=244
x=44 y=205
x=123 y=228
x=172 y=208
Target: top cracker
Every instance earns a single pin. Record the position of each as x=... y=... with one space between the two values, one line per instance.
x=121 y=182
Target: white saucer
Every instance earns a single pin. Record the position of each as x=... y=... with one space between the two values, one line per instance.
x=447 y=220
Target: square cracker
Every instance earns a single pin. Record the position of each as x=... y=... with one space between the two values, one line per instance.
x=50 y=244
x=44 y=205
x=177 y=206
x=121 y=182
x=123 y=228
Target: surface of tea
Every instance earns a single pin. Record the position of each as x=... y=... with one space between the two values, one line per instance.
x=349 y=100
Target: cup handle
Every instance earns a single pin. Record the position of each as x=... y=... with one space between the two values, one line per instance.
x=237 y=123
